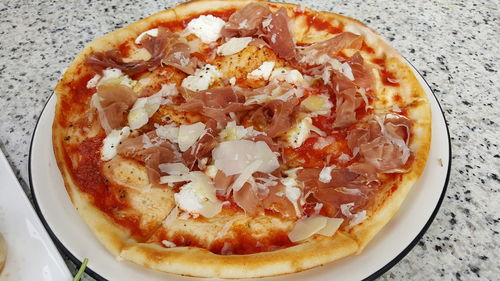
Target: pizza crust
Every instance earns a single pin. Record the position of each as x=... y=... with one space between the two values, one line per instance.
x=199 y=262
x=312 y=252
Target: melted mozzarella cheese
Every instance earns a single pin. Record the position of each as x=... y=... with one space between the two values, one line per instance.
x=233 y=46
x=206 y=27
x=263 y=71
x=317 y=105
x=202 y=78
x=292 y=76
x=299 y=133
x=198 y=196
x=111 y=142
x=234 y=132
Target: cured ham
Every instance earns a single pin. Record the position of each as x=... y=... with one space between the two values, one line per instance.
x=159 y=47
x=112 y=103
x=314 y=53
x=205 y=144
x=246 y=21
x=342 y=189
x=180 y=57
x=151 y=150
x=277 y=201
x=247 y=198
x=278 y=35
x=215 y=103
x=383 y=143
x=360 y=71
x=276 y=116
x=345 y=111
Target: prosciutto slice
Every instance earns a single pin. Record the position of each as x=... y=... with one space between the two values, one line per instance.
x=203 y=147
x=247 y=198
x=179 y=56
x=384 y=143
x=157 y=46
x=276 y=116
x=277 y=201
x=343 y=188
x=246 y=21
x=112 y=103
x=151 y=150
x=345 y=111
x=331 y=47
x=215 y=104
x=361 y=72
x=279 y=36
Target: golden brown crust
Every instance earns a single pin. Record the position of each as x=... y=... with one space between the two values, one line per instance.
x=200 y=262
x=313 y=252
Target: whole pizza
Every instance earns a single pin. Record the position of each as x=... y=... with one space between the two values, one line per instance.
x=239 y=139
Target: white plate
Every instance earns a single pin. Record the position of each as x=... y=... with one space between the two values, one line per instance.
x=389 y=246
x=31 y=255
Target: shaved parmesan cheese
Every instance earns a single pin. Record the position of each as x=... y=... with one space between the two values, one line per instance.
x=307 y=227
x=233 y=46
x=206 y=27
x=234 y=132
x=169 y=132
x=168 y=244
x=111 y=142
x=198 y=196
x=211 y=171
x=293 y=195
x=142 y=110
x=266 y=22
x=232 y=157
x=323 y=142
x=246 y=174
x=299 y=133
x=357 y=218
x=317 y=105
x=292 y=76
x=350 y=191
x=152 y=32
x=189 y=135
x=202 y=78
x=343 y=158
x=92 y=83
x=332 y=225
x=263 y=71
x=170 y=219
x=347 y=71
x=325 y=175
x=174 y=168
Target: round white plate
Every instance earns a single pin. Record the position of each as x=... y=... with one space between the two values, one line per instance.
x=389 y=246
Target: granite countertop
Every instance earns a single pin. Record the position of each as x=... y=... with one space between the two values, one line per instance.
x=454 y=44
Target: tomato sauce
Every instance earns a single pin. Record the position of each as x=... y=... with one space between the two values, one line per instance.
x=106 y=197
x=321 y=24
x=387 y=77
x=244 y=243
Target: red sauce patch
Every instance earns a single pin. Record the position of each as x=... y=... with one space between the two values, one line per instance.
x=321 y=24
x=124 y=48
x=387 y=77
x=244 y=243
x=178 y=25
x=105 y=197
x=366 y=48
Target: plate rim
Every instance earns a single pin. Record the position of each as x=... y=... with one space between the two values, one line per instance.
x=373 y=276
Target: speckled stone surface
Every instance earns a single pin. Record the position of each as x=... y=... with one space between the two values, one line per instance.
x=454 y=44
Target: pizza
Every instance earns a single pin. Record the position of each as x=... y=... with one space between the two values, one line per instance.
x=239 y=139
